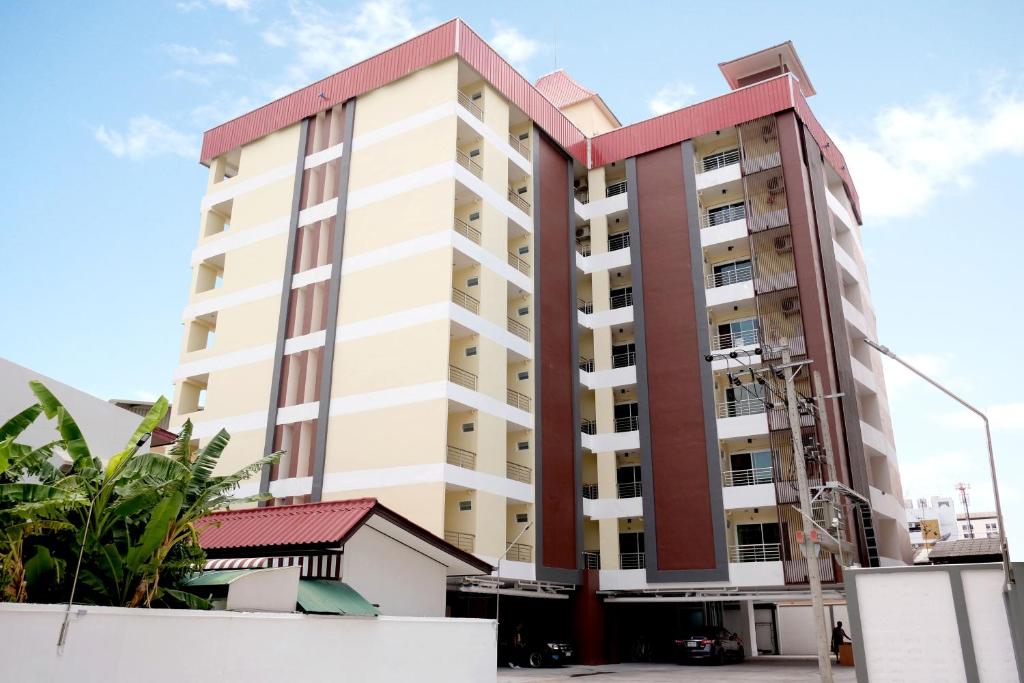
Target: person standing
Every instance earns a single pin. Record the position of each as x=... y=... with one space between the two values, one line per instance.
x=838 y=637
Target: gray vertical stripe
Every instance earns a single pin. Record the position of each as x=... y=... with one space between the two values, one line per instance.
x=963 y=625
x=327 y=367
x=538 y=367
x=282 y=319
x=577 y=442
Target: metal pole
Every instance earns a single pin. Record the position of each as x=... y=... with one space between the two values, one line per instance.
x=1008 y=578
x=826 y=437
x=497 y=595
x=813 y=573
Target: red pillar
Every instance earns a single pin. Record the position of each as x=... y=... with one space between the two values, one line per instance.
x=588 y=621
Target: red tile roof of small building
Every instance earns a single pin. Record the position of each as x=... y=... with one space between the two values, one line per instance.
x=562 y=89
x=284 y=525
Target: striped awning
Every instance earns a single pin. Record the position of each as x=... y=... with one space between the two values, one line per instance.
x=326 y=566
x=237 y=563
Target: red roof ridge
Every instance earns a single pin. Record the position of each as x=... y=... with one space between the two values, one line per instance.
x=281 y=509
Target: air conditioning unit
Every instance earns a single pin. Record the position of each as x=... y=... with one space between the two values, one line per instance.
x=790 y=305
x=784 y=244
x=583 y=233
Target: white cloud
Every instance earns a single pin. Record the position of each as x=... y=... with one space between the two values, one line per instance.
x=672 y=96
x=938 y=473
x=233 y=5
x=220 y=110
x=1002 y=416
x=188 y=54
x=513 y=45
x=191 y=5
x=935 y=365
x=146 y=137
x=914 y=153
x=324 y=41
x=189 y=76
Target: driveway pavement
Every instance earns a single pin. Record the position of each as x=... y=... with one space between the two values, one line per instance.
x=767 y=669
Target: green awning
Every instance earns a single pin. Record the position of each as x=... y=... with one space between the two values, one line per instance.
x=333 y=597
x=216 y=578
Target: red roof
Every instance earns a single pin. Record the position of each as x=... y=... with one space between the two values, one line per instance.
x=286 y=525
x=561 y=89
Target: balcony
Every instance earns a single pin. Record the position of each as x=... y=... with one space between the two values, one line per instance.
x=632 y=561
x=583 y=247
x=519 y=146
x=467 y=230
x=582 y=195
x=517 y=400
x=734 y=340
x=718 y=168
x=519 y=552
x=462 y=377
x=461 y=540
x=468 y=164
x=586 y=364
x=723 y=215
x=742 y=273
x=588 y=426
x=518 y=201
x=519 y=472
x=630 y=423
x=755 y=552
x=621 y=300
x=591 y=559
x=752 y=477
x=624 y=360
x=519 y=264
x=743 y=418
x=471 y=304
x=518 y=329
x=729 y=286
x=619 y=240
x=615 y=188
x=629 y=489
x=471 y=106
x=590 y=491
x=740 y=407
x=585 y=306
x=460 y=457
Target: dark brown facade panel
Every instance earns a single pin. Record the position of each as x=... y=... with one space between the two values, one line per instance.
x=680 y=479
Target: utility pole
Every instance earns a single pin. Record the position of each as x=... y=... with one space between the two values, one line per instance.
x=813 y=573
x=962 y=488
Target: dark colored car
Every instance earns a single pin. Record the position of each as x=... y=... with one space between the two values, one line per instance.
x=709 y=644
x=536 y=653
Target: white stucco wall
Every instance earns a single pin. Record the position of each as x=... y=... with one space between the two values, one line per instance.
x=111 y=645
x=395 y=577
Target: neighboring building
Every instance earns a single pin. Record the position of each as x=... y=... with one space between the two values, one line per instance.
x=930 y=520
x=981 y=525
x=966 y=551
x=488 y=305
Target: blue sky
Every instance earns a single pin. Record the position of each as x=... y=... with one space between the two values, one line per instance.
x=103 y=108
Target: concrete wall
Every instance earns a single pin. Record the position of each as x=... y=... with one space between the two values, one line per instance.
x=112 y=644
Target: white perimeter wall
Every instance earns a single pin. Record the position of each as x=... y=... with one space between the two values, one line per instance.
x=111 y=645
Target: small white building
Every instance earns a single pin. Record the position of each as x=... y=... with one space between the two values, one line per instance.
x=980 y=525
x=931 y=520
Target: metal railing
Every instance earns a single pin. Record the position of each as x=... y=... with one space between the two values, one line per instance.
x=619 y=240
x=518 y=201
x=462 y=377
x=517 y=400
x=729 y=340
x=632 y=561
x=588 y=426
x=711 y=218
x=630 y=423
x=757 y=475
x=623 y=360
x=582 y=195
x=718 y=160
x=465 y=300
x=730 y=277
x=629 y=489
x=460 y=457
x=615 y=188
x=584 y=306
x=755 y=552
x=518 y=472
x=518 y=329
x=621 y=300
x=590 y=491
x=470 y=165
x=519 y=146
x=467 y=230
x=587 y=364
x=474 y=109
x=583 y=247
x=519 y=552
x=591 y=559
x=518 y=263
x=461 y=540
x=744 y=406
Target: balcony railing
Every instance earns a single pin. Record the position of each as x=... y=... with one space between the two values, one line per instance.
x=462 y=377
x=729 y=277
x=629 y=489
x=758 y=475
x=519 y=552
x=587 y=364
x=590 y=491
x=615 y=188
x=621 y=300
x=623 y=360
x=518 y=201
x=474 y=109
x=465 y=300
x=588 y=427
x=518 y=472
x=755 y=552
x=632 y=561
x=619 y=240
x=518 y=329
x=629 y=423
x=519 y=146
x=729 y=340
x=591 y=559
x=585 y=306
x=582 y=195
x=517 y=400
x=461 y=540
x=744 y=406
x=718 y=160
x=583 y=247
x=470 y=165
x=467 y=230
x=460 y=457
x=518 y=263
x=735 y=212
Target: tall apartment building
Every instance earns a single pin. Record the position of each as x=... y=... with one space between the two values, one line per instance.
x=488 y=304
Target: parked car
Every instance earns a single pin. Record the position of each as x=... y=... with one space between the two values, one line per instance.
x=710 y=644
x=535 y=652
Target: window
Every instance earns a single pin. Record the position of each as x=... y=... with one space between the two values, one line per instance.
x=623 y=355
x=521 y=518
x=523 y=375
x=465 y=505
x=470 y=350
x=626 y=419
x=475 y=216
x=915 y=526
x=622 y=297
x=523 y=445
x=628 y=481
x=726 y=213
x=473 y=153
x=468 y=427
x=525 y=249
x=473 y=281
x=524 y=136
x=522 y=190
x=737 y=333
x=751 y=468
x=476 y=96
x=757 y=534
x=731 y=273
x=523 y=310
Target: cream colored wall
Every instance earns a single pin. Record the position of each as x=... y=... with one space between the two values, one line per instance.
x=415 y=93
x=589 y=118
